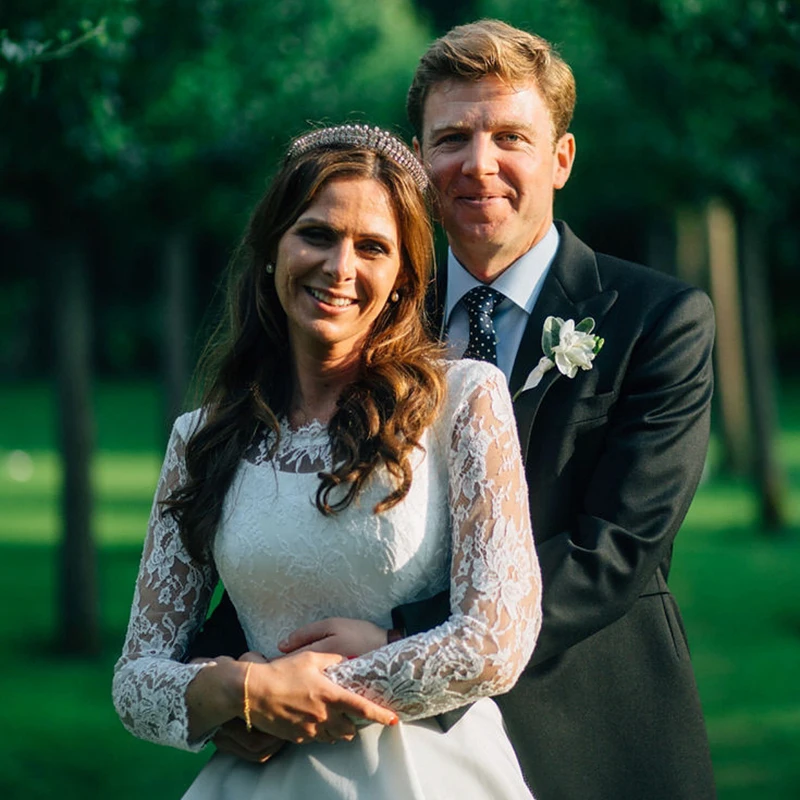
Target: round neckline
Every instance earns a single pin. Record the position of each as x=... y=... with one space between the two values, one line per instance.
x=308 y=430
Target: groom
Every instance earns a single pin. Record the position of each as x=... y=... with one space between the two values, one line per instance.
x=608 y=708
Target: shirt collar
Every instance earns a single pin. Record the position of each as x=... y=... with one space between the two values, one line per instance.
x=520 y=283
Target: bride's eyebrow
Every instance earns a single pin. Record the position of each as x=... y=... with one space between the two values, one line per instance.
x=313 y=222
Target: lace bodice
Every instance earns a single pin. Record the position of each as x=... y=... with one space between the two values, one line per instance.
x=465 y=521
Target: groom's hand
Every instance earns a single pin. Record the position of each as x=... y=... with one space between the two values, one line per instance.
x=345 y=637
x=255 y=746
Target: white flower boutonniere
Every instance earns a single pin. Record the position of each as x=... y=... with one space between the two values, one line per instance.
x=567 y=346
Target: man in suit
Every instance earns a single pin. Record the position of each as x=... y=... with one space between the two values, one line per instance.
x=608 y=706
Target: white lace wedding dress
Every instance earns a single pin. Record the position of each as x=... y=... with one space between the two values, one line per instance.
x=464 y=522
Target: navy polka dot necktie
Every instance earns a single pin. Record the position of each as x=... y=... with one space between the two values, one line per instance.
x=480 y=303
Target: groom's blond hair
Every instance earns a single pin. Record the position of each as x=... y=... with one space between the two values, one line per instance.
x=490 y=47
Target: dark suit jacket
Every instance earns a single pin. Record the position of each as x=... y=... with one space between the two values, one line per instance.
x=608 y=708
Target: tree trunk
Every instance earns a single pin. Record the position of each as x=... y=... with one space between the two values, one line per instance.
x=730 y=365
x=691 y=247
x=176 y=351
x=759 y=349
x=77 y=610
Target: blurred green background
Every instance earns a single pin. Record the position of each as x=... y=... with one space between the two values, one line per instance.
x=136 y=136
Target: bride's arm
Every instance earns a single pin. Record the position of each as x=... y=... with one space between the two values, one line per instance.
x=169 y=604
x=495 y=586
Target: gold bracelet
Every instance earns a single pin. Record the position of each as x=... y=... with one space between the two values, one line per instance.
x=247 y=720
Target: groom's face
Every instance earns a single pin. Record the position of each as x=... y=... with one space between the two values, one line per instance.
x=489 y=149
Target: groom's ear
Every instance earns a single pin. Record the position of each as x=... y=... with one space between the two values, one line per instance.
x=565 y=158
x=417 y=147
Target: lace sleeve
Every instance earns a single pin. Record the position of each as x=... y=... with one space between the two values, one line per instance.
x=495 y=586
x=169 y=604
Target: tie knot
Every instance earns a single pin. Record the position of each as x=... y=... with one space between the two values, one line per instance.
x=481 y=300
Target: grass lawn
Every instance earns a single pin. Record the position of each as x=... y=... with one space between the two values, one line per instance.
x=737 y=587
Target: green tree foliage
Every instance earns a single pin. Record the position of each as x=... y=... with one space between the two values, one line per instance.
x=61 y=131
x=217 y=89
x=678 y=99
x=192 y=100
x=31 y=54
x=172 y=118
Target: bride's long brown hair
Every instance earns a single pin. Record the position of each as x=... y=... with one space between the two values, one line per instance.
x=247 y=364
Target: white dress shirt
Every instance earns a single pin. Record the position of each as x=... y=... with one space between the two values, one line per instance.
x=520 y=285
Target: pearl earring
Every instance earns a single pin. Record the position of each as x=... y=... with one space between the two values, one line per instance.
x=395 y=296
x=269 y=267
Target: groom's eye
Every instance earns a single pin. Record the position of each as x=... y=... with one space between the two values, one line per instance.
x=451 y=138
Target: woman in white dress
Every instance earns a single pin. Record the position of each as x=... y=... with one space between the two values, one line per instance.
x=338 y=467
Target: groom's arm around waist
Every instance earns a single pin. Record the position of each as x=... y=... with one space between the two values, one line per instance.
x=221 y=634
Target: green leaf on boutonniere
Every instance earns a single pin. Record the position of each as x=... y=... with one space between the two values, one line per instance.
x=598 y=345
x=550 y=334
x=586 y=325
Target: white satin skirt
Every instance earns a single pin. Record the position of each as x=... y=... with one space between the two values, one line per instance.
x=474 y=760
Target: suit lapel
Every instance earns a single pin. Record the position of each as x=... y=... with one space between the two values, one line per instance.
x=571 y=290
x=552 y=301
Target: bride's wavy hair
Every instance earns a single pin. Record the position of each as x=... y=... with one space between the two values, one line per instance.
x=246 y=368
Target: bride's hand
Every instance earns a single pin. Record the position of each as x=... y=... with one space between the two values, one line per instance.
x=347 y=637
x=293 y=699
x=233 y=737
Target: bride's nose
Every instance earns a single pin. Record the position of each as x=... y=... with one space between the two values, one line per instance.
x=340 y=262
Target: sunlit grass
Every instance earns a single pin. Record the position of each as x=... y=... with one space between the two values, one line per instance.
x=738 y=590
x=123 y=482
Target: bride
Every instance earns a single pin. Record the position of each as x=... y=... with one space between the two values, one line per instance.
x=338 y=467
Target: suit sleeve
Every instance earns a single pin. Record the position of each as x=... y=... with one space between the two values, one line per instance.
x=642 y=484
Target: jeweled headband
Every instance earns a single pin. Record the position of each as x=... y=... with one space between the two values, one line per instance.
x=370 y=138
